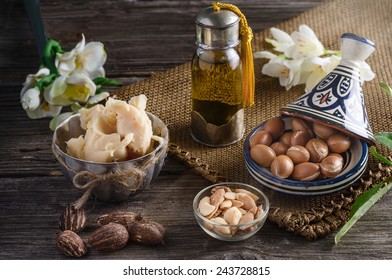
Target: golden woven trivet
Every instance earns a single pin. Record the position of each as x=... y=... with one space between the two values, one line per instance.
x=169 y=97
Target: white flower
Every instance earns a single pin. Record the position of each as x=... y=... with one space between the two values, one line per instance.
x=32 y=79
x=44 y=110
x=88 y=58
x=66 y=90
x=31 y=99
x=317 y=68
x=282 y=41
x=288 y=71
x=306 y=44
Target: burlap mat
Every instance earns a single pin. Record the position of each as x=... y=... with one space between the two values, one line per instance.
x=169 y=97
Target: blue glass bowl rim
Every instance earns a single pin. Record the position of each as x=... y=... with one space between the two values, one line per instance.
x=262 y=172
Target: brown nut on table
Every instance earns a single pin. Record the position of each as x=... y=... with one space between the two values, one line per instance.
x=109 y=237
x=282 y=166
x=323 y=131
x=300 y=125
x=318 y=149
x=332 y=165
x=300 y=138
x=262 y=155
x=260 y=137
x=298 y=154
x=339 y=143
x=70 y=244
x=279 y=148
x=275 y=126
x=306 y=171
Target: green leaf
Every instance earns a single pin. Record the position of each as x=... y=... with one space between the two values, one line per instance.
x=103 y=81
x=386 y=88
x=54 y=123
x=362 y=210
x=363 y=198
x=46 y=81
x=384 y=138
x=380 y=157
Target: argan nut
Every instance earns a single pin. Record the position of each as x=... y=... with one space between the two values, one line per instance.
x=262 y=155
x=233 y=215
x=275 y=126
x=247 y=200
x=339 y=143
x=286 y=138
x=225 y=230
x=318 y=149
x=282 y=166
x=217 y=197
x=109 y=237
x=298 y=154
x=70 y=244
x=323 y=131
x=332 y=165
x=72 y=219
x=260 y=137
x=300 y=138
x=300 y=125
x=279 y=148
x=306 y=171
x=125 y=218
x=147 y=233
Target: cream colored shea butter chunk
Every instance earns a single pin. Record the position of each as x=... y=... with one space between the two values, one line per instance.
x=117 y=131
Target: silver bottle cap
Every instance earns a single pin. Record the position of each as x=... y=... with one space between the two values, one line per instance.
x=217 y=29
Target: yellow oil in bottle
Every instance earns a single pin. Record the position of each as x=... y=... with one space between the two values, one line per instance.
x=216 y=85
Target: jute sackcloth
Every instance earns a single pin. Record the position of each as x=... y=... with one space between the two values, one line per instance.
x=169 y=97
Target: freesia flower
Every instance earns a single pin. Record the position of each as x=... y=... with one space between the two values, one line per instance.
x=31 y=99
x=88 y=58
x=73 y=78
x=306 y=44
x=300 y=58
x=66 y=90
x=282 y=41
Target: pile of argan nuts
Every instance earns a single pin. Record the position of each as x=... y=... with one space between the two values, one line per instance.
x=115 y=230
x=310 y=151
x=230 y=208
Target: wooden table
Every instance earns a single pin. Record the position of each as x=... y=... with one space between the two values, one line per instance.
x=141 y=37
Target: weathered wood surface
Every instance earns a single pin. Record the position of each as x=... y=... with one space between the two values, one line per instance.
x=140 y=37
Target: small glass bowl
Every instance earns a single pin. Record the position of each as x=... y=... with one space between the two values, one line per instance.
x=228 y=232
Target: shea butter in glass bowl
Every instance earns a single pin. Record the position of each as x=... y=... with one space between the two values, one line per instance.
x=231 y=211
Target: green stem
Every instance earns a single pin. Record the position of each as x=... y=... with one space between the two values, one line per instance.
x=52 y=47
x=332 y=52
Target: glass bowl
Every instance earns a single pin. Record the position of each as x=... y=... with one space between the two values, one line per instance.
x=115 y=180
x=225 y=224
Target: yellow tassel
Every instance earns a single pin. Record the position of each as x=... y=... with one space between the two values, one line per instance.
x=248 y=72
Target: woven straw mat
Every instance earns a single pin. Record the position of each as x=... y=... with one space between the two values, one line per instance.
x=169 y=97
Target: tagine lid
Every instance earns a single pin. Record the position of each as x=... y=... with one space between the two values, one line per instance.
x=337 y=100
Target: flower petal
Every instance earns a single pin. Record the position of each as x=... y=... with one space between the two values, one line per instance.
x=92 y=57
x=264 y=54
x=31 y=99
x=43 y=111
x=366 y=72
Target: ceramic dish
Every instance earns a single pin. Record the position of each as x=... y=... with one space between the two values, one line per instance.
x=355 y=158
